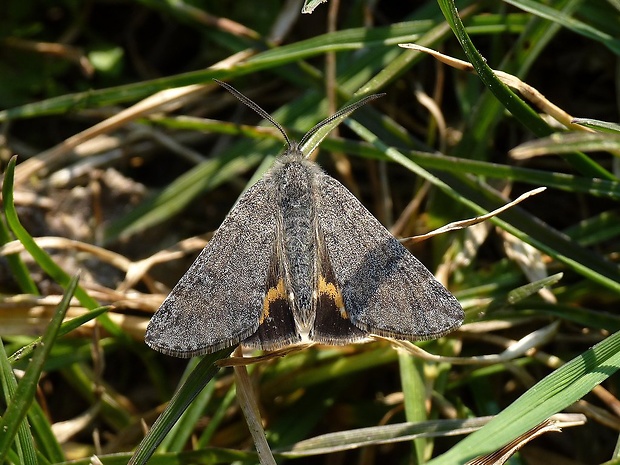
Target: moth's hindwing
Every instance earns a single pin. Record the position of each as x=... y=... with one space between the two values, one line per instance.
x=277 y=326
x=385 y=289
x=332 y=324
x=219 y=301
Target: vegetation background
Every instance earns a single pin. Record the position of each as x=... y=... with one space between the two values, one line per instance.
x=128 y=152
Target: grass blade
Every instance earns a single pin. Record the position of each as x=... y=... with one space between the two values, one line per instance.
x=514 y=104
x=65 y=328
x=24 y=443
x=16 y=410
x=196 y=381
x=552 y=394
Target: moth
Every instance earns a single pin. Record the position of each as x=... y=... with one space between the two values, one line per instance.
x=300 y=258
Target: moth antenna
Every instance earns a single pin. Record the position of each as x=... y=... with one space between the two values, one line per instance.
x=344 y=111
x=254 y=106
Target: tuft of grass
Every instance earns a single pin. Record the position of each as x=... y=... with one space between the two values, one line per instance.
x=127 y=151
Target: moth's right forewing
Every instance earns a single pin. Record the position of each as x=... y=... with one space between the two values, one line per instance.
x=219 y=300
x=385 y=289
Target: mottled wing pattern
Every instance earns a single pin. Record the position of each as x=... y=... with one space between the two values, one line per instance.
x=385 y=289
x=219 y=300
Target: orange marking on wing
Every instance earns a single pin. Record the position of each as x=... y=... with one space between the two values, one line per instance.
x=273 y=294
x=332 y=291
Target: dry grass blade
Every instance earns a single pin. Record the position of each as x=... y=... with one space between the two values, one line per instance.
x=247 y=401
x=472 y=221
x=527 y=91
x=240 y=360
x=519 y=348
x=554 y=424
x=48 y=160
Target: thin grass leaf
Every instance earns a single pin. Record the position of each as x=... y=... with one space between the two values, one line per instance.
x=551 y=14
x=16 y=265
x=385 y=434
x=348 y=39
x=217 y=417
x=568 y=142
x=585 y=317
x=341 y=367
x=48 y=447
x=209 y=455
x=396 y=67
x=26 y=389
x=414 y=391
x=65 y=328
x=603 y=126
x=196 y=381
x=595 y=230
x=311 y=143
x=177 y=438
x=483 y=112
x=24 y=444
x=523 y=292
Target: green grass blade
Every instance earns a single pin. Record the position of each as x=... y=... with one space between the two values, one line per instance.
x=551 y=14
x=207 y=456
x=603 y=126
x=42 y=258
x=47 y=444
x=217 y=417
x=414 y=392
x=348 y=39
x=26 y=389
x=177 y=438
x=19 y=270
x=515 y=105
x=552 y=394
x=528 y=289
x=455 y=165
x=383 y=434
x=24 y=443
x=196 y=381
x=568 y=142
x=65 y=328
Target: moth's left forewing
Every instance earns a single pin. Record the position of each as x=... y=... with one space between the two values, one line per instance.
x=218 y=301
x=385 y=289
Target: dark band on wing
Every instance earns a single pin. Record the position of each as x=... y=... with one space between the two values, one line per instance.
x=331 y=323
x=277 y=324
